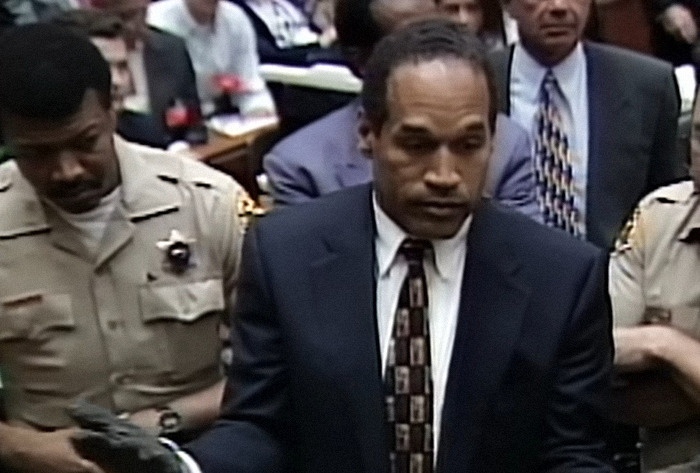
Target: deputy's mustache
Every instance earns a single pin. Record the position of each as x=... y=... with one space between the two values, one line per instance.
x=72 y=188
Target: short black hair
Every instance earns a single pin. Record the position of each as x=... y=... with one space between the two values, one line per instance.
x=92 y=23
x=419 y=42
x=46 y=71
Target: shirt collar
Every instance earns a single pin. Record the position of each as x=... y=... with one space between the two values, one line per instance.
x=566 y=72
x=689 y=230
x=390 y=236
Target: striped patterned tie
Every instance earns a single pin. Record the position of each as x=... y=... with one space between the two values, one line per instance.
x=408 y=380
x=553 y=158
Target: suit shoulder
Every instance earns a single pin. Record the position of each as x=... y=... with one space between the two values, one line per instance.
x=319 y=130
x=328 y=211
x=308 y=142
x=628 y=59
x=539 y=243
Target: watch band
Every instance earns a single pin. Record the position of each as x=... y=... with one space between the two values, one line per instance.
x=169 y=420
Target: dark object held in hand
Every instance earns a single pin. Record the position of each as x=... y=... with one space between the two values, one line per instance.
x=119 y=446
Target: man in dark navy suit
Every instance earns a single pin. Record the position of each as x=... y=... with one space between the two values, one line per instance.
x=408 y=325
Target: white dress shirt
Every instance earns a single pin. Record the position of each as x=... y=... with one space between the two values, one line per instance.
x=225 y=47
x=444 y=279
x=572 y=100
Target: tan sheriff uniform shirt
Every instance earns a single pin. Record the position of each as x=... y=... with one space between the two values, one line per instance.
x=125 y=328
x=655 y=277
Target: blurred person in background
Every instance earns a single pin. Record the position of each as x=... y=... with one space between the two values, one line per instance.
x=484 y=18
x=163 y=80
x=285 y=35
x=221 y=41
x=675 y=31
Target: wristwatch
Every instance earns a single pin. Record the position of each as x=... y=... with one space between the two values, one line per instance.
x=169 y=420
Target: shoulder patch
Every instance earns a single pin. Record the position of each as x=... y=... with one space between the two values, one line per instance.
x=625 y=239
x=248 y=210
x=672 y=194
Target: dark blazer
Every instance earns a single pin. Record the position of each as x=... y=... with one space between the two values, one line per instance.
x=633 y=109
x=170 y=76
x=529 y=372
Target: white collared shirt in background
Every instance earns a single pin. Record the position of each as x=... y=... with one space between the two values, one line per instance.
x=510 y=29
x=572 y=100
x=444 y=279
x=226 y=47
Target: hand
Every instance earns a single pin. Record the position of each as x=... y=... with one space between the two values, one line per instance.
x=678 y=21
x=120 y=445
x=38 y=452
x=147 y=419
x=638 y=348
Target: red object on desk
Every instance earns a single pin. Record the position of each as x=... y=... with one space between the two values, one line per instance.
x=229 y=84
x=177 y=115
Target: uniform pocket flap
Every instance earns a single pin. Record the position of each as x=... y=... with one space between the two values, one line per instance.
x=185 y=302
x=28 y=315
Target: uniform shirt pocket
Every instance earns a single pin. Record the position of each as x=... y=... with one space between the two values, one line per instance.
x=35 y=316
x=184 y=318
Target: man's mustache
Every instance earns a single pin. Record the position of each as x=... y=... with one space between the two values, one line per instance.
x=73 y=188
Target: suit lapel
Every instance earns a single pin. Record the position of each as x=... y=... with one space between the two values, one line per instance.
x=493 y=303
x=344 y=295
x=501 y=62
x=607 y=106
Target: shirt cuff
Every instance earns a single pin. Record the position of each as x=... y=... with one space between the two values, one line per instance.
x=189 y=465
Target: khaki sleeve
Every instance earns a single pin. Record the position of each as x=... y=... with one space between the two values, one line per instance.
x=230 y=228
x=626 y=273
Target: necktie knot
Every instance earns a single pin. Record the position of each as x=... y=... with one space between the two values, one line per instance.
x=549 y=83
x=414 y=250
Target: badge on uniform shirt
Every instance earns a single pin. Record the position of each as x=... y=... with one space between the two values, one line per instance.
x=625 y=238
x=178 y=253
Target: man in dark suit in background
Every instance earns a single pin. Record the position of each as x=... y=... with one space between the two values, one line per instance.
x=163 y=80
x=617 y=118
x=409 y=323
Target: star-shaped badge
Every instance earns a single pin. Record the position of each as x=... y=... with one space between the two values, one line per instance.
x=177 y=251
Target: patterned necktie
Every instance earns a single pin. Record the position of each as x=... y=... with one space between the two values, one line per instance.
x=553 y=163
x=408 y=381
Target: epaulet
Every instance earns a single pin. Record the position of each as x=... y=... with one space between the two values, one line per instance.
x=672 y=194
x=202 y=176
x=625 y=239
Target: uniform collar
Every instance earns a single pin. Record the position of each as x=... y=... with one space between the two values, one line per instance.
x=147 y=189
x=390 y=236
x=689 y=231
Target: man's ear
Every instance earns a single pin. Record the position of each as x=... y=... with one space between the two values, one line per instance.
x=365 y=134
